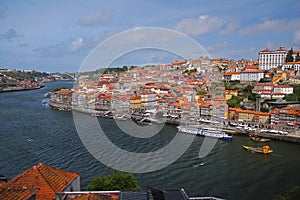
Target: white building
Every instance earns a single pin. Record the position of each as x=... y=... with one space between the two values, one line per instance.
x=285 y=89
x=292 y=66
x=232 y=76
x=269 y=59
x=251 y=75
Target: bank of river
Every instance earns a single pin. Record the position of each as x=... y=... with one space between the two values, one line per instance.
x=18 y=89
x=32 y=132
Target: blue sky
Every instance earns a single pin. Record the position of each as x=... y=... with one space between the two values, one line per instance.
x=57 y=35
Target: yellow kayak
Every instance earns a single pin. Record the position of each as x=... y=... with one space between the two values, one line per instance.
x=264 y=149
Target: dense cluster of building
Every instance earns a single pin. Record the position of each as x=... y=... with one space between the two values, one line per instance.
x=191 y=89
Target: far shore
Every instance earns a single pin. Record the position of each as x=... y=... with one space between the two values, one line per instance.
x=17 y=89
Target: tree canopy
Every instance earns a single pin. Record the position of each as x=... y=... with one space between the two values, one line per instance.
x=114 y=181
x=235 y=102
x=296 y=94
x=289 y=56
x=297 y=57
x=292 y=194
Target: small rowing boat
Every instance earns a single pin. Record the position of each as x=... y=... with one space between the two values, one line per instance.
x=259 y=139
x=264 y=149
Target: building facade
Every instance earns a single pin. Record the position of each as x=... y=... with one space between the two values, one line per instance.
x=269 y=59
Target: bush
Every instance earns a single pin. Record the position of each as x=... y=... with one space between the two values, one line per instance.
x=291 y=194
x=114 y=181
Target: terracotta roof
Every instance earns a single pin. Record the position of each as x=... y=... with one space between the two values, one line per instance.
x=16 y=193
x=239 y=110
x=252 y=67
x=48 y=180
x=252 y=71
x=264 y=84
x=283 y=86
x=265 y=50
x=135 y=97
x=95 y=196
x=231 y=73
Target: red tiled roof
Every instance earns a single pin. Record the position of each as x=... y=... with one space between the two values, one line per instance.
x=48 y=180
x=16 y=193
x=252 y=67
x=252 y=71
x=265 y=50
x=231 y=73
x=264 y=84
x=95 y=196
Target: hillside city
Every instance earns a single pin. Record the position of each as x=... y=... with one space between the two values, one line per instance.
x=260 y=93
x=242 y=96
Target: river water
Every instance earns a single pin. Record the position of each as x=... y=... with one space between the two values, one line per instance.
x=31 y=132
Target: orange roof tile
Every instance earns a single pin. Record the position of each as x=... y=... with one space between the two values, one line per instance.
x=95 y=196
x=252 y=71
x=16 y=193
x=252 y=67
x=231 y=73
x=47 y=179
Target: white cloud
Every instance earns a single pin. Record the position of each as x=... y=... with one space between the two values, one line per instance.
x=204 y=24
x=61 y=49
x=92 y=19
x=275 y=25
x=216 y=48
x=3 y=10
x=296 y=38
x=76 y=45
x=230 y=28
x=10 y=34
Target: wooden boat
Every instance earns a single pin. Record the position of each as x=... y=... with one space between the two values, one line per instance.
x=264 y=149
x=259 y=139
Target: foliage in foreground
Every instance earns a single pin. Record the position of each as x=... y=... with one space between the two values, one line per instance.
x=291 y=194
x=114 y=181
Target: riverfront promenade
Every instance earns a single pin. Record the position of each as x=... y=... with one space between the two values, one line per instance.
x=292 y=136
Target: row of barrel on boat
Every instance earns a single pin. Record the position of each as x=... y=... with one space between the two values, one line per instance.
x=262 y=149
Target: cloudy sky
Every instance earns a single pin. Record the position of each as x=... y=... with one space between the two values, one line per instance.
x=58 y=35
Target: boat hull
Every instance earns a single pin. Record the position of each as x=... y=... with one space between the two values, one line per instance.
x=257 y=139
x=258 y=149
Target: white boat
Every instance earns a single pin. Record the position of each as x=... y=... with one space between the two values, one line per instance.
x=122 y=117
x=207 y=132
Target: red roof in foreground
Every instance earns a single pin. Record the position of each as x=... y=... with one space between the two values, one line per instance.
x=16 y=193
x=44 y=178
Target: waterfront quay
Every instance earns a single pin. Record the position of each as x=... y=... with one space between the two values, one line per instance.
x=239 y=128
x=16 y=89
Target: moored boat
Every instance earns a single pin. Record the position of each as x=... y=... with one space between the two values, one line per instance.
x=264 y=149
x=207 y=132
x=259 y=139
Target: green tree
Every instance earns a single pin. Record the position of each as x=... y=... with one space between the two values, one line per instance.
x=291 y=194
x=297 y=57
x=235 y=102
x=289 y=56
x=296 y=94
x=114 y=181
x=264 y=109
x=58 y=89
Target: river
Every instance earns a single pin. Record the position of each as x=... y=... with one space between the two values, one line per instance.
x=31 y=132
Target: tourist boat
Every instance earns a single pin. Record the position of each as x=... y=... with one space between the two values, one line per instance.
x=259 y=139
x=207 y=132
x=264 y=149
